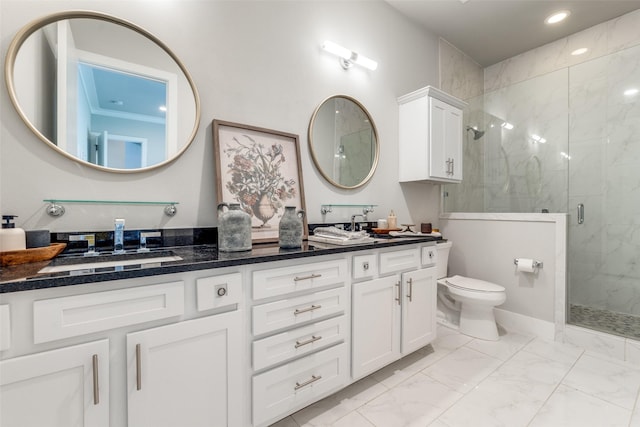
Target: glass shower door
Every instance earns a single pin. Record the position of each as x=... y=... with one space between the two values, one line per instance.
x=604 y=180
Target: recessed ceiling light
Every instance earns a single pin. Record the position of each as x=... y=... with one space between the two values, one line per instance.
x=580 y=51
x=557 y=17
x=631 y=92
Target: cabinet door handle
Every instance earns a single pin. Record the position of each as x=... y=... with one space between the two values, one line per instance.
x=398 y=297
x=312 y=276
x=309 y=341
x=138 y=368
x=580 y=213
x=304 y=310
x=452 y=165
x=311 y=380
x=410 y=294
x=96 y=386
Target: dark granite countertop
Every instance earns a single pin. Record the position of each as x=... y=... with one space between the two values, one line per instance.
x=25 y=277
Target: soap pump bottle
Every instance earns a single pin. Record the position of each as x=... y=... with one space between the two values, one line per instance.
x=392 y=220
x=11 y=238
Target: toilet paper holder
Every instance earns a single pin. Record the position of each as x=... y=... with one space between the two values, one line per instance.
x=536 y=264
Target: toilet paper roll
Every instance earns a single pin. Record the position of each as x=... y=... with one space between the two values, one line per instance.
x=525 y=265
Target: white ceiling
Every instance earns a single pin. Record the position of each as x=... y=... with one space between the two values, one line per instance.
x=490 y=31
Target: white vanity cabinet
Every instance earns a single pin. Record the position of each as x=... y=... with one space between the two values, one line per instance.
x=67 y=387
x=186 y=373
x=392 y=316
x=155 y=351
x=430 y=136
x=300 y=322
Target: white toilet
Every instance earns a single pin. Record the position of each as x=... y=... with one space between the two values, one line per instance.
x=465 y=302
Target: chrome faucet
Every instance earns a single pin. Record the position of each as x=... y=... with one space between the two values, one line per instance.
x=143 y=239
x=118 y=236
x=353 y=221
x=89 y=238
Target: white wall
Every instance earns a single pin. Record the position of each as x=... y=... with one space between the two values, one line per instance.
x=257 y=63
x=485 y=245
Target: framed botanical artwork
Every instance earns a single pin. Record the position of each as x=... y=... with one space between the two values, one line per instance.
x=259 y=169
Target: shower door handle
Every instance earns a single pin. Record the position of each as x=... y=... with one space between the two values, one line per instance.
x=580 y=213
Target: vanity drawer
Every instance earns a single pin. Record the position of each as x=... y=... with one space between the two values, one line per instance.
x=295 y=385
x=218 y=291
x=5 y=327
x=300 y=341
x=76 y=315
x=429 y=256
x=293 y=311
x=284 y=280
x=364 y=266
x=394 y=261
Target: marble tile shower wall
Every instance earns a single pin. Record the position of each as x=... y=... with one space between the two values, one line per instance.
x=522 y=174
x=463 y=78
x=604 y=138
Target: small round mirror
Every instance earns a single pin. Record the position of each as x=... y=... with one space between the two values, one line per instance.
x=102 y=91
x=343 y=142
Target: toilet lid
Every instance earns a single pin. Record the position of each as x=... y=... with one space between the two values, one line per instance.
x=470 y=284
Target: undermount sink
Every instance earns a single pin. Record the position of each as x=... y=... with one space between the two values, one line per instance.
x=64 y=264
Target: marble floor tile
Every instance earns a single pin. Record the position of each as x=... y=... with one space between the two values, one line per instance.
x=568 y=407
x=462 y=369
x=462 y=382
x=560 y=352
x=530 y=374
x=502 y=349
x=491 y=404
x=285 y=422
x=415 y=402
x=609 y=380
x=397 y=372
x=449 y=339
x=338 y=405
x=354 y=419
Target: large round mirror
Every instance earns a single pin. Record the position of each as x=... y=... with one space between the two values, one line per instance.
x=343 y=142
x=102 y=91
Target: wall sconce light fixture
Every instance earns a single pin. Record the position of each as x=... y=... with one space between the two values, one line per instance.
x=348 y=57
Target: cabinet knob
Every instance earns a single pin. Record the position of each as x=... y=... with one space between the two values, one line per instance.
x=221 y=291
x=365 y=265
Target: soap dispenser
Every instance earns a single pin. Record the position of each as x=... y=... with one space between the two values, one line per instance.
x=11 y=238
x=392 y=220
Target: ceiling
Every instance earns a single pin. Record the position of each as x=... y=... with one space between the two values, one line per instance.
x=490 y=31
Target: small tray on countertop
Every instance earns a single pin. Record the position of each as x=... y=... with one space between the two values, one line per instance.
x=384 y=230
x=23 y=256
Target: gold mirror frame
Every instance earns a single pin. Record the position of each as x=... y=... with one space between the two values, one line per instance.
x=314 y=155
x=39 y=23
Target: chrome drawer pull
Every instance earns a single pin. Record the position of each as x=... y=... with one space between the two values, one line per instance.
x=313 y=379
x=309 y=341
x=398 y=297
x=304 y=310
x=96 y=387
x=410 y=295
x=312 y=276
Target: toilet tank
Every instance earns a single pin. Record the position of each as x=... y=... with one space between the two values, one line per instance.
x=443 y=258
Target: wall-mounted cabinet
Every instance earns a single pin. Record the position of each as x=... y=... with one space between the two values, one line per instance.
x=430 y=136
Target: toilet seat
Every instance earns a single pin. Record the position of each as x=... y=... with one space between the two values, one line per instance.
x=473 y=285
